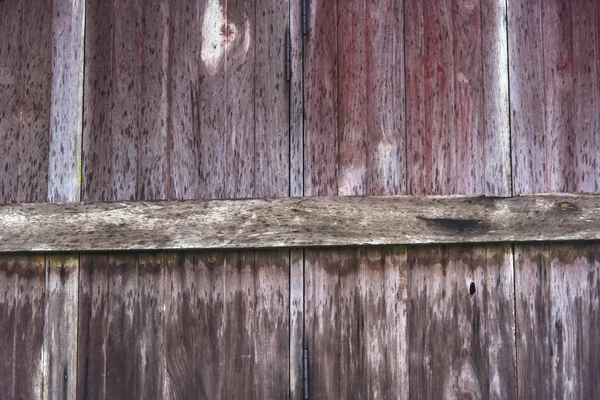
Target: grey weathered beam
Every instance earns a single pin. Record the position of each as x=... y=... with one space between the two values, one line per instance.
x=293 y=222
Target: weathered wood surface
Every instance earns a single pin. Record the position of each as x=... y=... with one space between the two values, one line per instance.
x=40 y=116
x=459 y=345
x=554 y=53
x=291 y=222
x=187 y=101
x=354 y=145
x=64 y=184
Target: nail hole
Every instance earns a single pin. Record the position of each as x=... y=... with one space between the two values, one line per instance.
x=472 y=289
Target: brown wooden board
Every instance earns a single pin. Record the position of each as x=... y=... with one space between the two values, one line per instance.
x=457 y=138
x=557 y=320
x=228 y=139
x=354 y=145
x=22 y=318
x=330 y=221
x=461 y=322
x=26 y=111
x=554 y=122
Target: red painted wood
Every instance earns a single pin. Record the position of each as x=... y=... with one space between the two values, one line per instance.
x=554 y=284
x=321 y=101
x=354 y=145
x=449 y=144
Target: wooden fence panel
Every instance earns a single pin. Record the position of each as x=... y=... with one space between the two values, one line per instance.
x=34 y=79
x=450 y=331
x=555 y=122
x=124 y=157
x=354 y=304
x=188 y=100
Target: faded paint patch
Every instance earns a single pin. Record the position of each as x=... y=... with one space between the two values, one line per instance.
x=351 y=180
x=217 y=36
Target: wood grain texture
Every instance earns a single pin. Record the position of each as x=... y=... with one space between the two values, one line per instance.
x=296 y=186
x=22 y=317
x=554 y=89
x=64 y=184
x=296 y=96
x=92 y=337
x=385 y=98
x=355 y=323
x=60 y=331
x=297 y=222
x=457 y=141
x=25 y=92
x=230 y=140
x=557 y=313
x=461 y=343
x=296 y=315
x=321 y=100
x=354 y=145
x=271 y=101
x=25 y=76
x=64 y=174
x=496 y=117
x=194 y=325
x=555 y=282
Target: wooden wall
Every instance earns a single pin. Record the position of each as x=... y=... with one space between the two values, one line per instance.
x=195 y=99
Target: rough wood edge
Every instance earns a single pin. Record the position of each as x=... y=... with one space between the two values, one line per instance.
x=297 y=222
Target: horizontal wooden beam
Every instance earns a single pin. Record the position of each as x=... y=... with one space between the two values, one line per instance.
x=297 y=222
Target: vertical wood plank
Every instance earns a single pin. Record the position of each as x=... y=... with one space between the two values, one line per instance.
x=60 y=333
x=271 y=333
x=64 y=184
x=122 y=374
x=296 y=96
x=26 y=76
x=297 y=324
x=238 y=344
x=558 y=74
x=29 y=327
x=385 y=98
x=351 y=323
x=352 y=98
x=271 y=101
x=239 y=103
x=555 y=283
x=458 y=142
x=92 y=337
x=22 y=315
x=496 y=122
x=8 y=302
x=558 y=354
x=321 y=101
x=187 y=83
x=586 y=93
x=296 y=189
x=526 y=96
x=430 y=66
x=10 y=104
x=362 y=74
x=322 y=324
x=457 y=346
x=467 y=141
x=97 y=170
x=212 y=105
x=153 y=168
